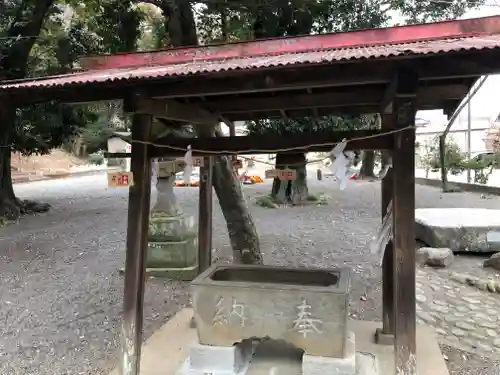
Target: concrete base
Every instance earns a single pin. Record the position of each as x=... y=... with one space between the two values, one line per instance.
x=220 y=360
x=216 y=359
x=166 y=351
x=314 y=365
x=179 y=274
x=382 y=338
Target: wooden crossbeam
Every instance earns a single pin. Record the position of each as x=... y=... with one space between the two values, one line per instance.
x=309 y=142
x=175 y=111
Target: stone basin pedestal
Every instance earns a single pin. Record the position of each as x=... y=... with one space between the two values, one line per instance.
x=237 y=308
x=172 y=238
x=172 y=246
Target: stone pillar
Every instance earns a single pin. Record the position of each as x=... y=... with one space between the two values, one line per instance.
x=172 y=245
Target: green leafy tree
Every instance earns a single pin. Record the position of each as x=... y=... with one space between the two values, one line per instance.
x=426 y=156
x=46 y=37
x=30 y=33
x=453 y=160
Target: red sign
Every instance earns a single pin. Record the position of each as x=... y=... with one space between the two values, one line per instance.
x=286 y=174
x=282 y=174
x=120 y=179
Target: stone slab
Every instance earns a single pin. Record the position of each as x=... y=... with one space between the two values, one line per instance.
x=166 y=351
x=304 y=307
x=459 y=229
x=179 y=274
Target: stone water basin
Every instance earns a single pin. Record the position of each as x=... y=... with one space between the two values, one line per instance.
x=304 y=307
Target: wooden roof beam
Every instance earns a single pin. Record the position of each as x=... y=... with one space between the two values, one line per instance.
x=300 y=113
x=427 y=97
x=174 y=110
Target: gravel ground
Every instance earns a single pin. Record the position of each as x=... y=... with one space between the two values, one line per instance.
x=61 y=293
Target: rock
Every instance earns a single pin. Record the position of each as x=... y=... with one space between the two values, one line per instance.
x=441 y=257
x=459 y=229
x=30 y=207
x=458 y=277
x=422 y=256
x=493 y=262
x=482 y=284
x=491 y=286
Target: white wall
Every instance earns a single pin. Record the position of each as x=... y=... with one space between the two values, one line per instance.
x=117 y=144
x=459 y=137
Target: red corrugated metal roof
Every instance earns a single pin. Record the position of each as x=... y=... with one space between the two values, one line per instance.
x=481 y=39
x=307 y=43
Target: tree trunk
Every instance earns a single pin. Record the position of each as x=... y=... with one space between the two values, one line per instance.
x=180 y=23
x=240 y=224
x=291 y=191
x=299 y=190
x=367 y=165
x=10 y=208
x=276 y=187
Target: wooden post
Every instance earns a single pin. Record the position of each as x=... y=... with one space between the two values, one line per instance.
x=137 y=243
x=205 y=215
x=385 y=336
x=404 y=232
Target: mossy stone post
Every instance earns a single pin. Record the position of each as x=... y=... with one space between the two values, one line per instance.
x=172 y=247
